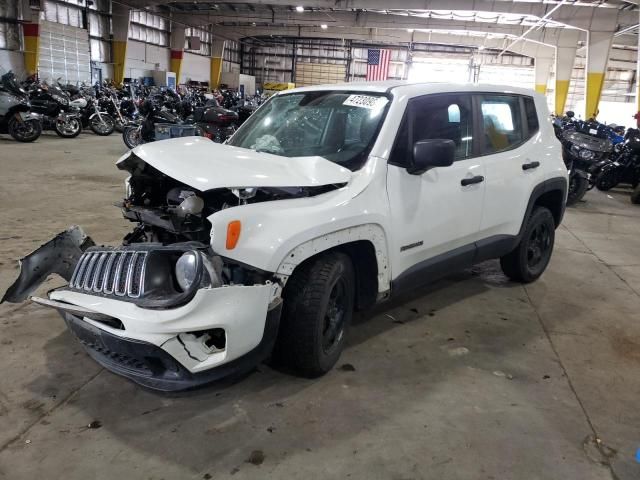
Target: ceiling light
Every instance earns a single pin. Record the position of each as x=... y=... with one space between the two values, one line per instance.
x=323 y=26
x=481 y=47
x=300 y=8
x=410 y=30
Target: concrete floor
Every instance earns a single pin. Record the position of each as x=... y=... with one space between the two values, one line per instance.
x=473 y=378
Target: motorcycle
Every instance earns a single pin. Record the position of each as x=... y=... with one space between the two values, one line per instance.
x=57 y=111
x=15 y=116
x=144 y=130
x=625 y=168
x=96 y=117
x=216 y=123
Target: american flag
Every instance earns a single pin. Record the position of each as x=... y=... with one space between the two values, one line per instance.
x=378 y=64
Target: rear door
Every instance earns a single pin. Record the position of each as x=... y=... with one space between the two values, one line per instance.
x=512 y=155
x=438 y=212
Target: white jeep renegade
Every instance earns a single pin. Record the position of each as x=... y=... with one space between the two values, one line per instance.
x=328 y=199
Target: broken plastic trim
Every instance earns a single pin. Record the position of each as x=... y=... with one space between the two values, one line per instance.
x=59 y=255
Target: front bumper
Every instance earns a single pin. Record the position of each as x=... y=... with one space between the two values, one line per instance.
x=153 y=367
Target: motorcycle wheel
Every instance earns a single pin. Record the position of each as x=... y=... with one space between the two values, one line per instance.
x=607 y=180
x=27 y=131
x=577 y=188
x=635 y=196
x=103 y=127
x=68 y=129
x=132 y=136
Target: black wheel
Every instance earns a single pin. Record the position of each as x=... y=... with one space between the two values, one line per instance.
x=102 y=124
x=68 y=128
x=607 y=180
x=635 y=196
x=318 y=306
x=578 y=186
x=531 y=257
x=132 y=136
x=26 y=131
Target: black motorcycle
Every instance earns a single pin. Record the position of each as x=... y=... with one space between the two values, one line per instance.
x=15 y=116
x=625 y=167
x=144 y=130
x=584 y=155
x=57 y=111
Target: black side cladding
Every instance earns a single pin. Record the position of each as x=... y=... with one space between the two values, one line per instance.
x=59 y=255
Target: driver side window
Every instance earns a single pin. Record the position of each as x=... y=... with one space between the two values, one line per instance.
x=447 y=116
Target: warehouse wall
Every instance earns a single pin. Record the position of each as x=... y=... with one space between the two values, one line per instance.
x=10 y=60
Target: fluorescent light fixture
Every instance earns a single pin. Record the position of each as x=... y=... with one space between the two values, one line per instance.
x=324 y=26
x=481 y=47
x=410 y=30
x=300 y=8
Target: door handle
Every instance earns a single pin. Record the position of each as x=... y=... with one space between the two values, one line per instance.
x=531 y=165
x=470 y=181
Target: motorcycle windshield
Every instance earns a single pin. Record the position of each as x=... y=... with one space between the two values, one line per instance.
x=10 y=83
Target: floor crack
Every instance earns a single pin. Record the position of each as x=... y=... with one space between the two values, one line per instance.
x=606 y=459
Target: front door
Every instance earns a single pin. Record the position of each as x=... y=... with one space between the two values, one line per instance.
x=436 y=215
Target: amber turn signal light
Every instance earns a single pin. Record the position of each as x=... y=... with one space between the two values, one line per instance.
x=233 y=234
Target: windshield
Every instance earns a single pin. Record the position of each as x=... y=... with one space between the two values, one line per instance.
x=338 y=126
x=10 y=83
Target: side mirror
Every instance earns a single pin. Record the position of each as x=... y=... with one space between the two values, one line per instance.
x=431 y=153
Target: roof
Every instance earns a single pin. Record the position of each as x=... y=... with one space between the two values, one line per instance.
x=415 y=88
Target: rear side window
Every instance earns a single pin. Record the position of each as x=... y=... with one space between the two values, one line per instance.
x=435 y=117
x=501 y=122
x=531 y=114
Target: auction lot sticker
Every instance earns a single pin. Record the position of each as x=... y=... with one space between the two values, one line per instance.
x=365 y=101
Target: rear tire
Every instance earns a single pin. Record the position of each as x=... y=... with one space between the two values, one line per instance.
x=607 y=180
x=29 y=131
x=530 y=258
x=318 y=307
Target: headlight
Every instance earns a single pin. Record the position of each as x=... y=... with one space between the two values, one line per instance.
x=186 y=270
x=586 y=154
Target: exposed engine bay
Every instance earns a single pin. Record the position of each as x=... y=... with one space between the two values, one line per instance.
x=168 y=211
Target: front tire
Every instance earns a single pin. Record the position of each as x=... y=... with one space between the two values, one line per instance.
x=25 y=132
x=578 y=186
x=607 y=180
x=530 y=258
x=103 y=127
x=132 y=136
x=635 y=196
x=318 y=307
x=68 y=129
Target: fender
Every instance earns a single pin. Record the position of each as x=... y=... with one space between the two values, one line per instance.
x=549 y=185
x=369 y=232
x=97 y=113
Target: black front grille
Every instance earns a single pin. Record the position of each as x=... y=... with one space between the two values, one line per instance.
x=112 y=272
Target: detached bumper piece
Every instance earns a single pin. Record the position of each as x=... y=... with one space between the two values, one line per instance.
x=152 y=367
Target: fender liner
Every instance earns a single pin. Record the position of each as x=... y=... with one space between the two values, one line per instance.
x=370 y=232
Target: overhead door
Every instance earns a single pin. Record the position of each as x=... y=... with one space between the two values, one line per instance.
x=64 y=53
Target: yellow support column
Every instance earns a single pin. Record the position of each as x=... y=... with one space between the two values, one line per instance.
x=542 y=71
x=31 y=33
x=599 y=40
x=119 y=60
x=175 y=63
x=216 y=71
x=562 y=92
x=595 y=82
x=120 y=27
x=215 y=74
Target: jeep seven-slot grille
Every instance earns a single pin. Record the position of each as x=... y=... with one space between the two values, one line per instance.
x=112 y=272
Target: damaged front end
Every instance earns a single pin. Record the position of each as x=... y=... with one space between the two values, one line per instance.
x=164 y=309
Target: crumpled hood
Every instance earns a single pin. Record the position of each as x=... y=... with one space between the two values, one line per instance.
x=202 y=164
